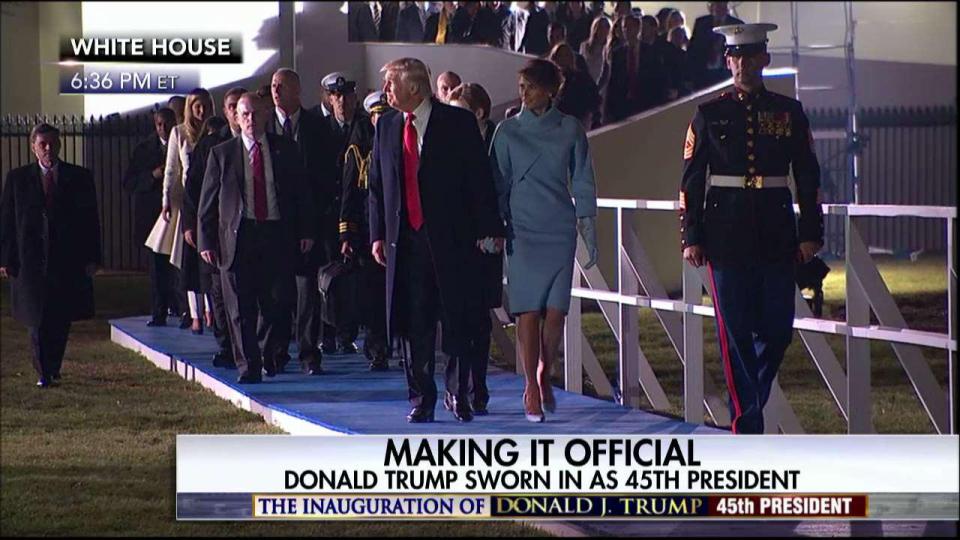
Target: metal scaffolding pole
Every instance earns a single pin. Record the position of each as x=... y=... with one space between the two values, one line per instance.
x=853 y=134
x=795 y=53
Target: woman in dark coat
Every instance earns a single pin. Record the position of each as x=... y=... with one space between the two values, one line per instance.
x=473 y=97
x=578 y=96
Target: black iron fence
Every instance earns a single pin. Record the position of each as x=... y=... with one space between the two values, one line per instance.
x=909 y=156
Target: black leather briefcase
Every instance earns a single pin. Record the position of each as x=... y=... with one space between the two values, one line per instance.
x=339 y=286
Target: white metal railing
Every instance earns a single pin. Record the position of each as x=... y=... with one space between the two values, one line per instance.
x=683 y=322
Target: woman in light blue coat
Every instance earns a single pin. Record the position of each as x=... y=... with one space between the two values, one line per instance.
x=540 y=161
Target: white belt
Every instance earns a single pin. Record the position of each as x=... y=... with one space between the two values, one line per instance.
x=755 y=181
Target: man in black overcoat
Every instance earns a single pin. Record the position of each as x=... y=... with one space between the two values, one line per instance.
x=49 y=248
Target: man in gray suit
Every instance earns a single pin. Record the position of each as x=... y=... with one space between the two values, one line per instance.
x=256 y=217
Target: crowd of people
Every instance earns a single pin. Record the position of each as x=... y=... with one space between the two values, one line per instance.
x=274 y=224
x=258 y=219
x=614 y=65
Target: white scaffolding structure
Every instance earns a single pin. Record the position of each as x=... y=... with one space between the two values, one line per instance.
x=854 y=140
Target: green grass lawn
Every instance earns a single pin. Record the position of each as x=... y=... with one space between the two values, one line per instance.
x=95 y=456
x=920 y=291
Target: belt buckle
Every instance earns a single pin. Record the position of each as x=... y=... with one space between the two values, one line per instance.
x=753 y=182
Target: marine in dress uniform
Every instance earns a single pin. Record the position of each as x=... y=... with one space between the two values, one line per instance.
x=737 y=217
x=355 y=235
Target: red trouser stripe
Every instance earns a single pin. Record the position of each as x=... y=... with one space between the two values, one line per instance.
x=725 y=352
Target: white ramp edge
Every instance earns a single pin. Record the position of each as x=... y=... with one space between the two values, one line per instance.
x=284 y=420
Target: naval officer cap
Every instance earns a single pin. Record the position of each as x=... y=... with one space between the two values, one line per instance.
x=744 y=39
x=338 y=82
x=376 y=103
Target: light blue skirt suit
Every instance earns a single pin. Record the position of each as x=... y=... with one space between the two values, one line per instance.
x=539 y=164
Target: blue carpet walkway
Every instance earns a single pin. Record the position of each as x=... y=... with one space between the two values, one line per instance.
x=349 y=399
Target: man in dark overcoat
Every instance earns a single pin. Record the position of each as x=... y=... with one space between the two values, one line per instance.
x=49 y=248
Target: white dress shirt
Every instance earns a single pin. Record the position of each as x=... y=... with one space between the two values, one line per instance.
x=421 y=118
x=55 y=168
x=520 y=29
x=273 y=208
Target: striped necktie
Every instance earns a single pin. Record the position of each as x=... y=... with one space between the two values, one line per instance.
x=376 y=15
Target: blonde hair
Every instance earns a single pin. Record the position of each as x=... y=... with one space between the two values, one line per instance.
x=474 y=96
x=193 y=126
x=594 y=40
x=412 y=71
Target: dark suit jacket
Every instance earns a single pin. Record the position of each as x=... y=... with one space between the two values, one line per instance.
x=535 y=37
x=147 y=191
x=193 y=183
x=617 y=104
x=360 y=25
x=432 y=24
x=409 y=25
x=578 y=30
x=502 y=18
x=578 y=96
x=654 y=75
x=318 y=154
x=702 y=40
x=459 y=206
x=482 y=29
x=222 y=200
x=47 y=256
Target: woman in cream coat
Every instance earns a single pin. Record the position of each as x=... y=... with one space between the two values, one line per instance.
x=167 y=234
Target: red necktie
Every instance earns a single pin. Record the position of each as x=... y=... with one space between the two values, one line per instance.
x=259 y=183
x=411 y=163
x=48 y=188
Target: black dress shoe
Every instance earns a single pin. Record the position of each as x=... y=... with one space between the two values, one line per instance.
x=480 y=409
x=328 y=348
x=197 y=332
x=379 y=364
x=157 y=322
x=420 y=415
x=55 y=376
x=185 y=322
x=461 y=409
x=269 y=370
x=348 y=348
x=311 y=367
x=249 y=379
x=223 y=360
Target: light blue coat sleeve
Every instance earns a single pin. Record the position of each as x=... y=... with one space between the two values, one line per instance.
x=584 y=187
x=502 y=174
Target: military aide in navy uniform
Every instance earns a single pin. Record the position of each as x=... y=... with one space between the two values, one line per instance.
x=741 y=145
x=355 y=230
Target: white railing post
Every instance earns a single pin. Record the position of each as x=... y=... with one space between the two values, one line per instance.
x=627 y=285
x=692 y=347
x=859 y=409
x=867 y=295
x=573 y=341
x=952 y=322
